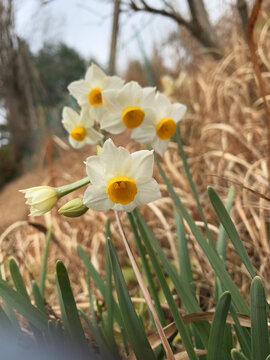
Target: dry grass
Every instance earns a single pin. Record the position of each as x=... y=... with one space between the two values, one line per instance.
x=225 y=139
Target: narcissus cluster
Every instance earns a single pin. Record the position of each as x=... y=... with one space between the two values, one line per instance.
x=119 y=180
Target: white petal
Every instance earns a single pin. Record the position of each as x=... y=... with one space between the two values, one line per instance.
x=76 y=144
x=160 y=146
x=162 y=100
x=70 y=118
x=115 y=82
x=92 y=136
x=86 y=118
x=142 y=166
x=95 y=197
x=130 y=95
x=110 y=101
x=144 y=133
x=147 y=193
x=178 y=111
x=129 y=207
x=148 y=99
x=95 y=170
x=112 y=123
x=95 y=76
x=96 y=113
x=79 y=90
x=116 y=160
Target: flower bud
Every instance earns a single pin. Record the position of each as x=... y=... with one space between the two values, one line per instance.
x=73 y=208
x=41 y=199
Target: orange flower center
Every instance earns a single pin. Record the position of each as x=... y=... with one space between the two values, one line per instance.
x=121 y=189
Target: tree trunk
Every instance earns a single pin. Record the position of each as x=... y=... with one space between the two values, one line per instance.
x=243 y=13
x=202 y=30
x=111 y=69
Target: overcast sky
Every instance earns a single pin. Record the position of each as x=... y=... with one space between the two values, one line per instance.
x=86 y=26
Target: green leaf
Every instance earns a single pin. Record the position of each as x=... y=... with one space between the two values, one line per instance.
x=182 y=288
x=23 y=306
x=192 y=186
x=259 y=329
x=132 y=324
x=183 y=254
x=215 y=348
x=243 y=334
x=147 y=271
x=44 y=261
x=109 y=297
x=226 y=221
x=11 y=315
x=72 y=318
x=222 y=234
x=38 y=298
x=17 y=279
x=97 y=335
x=209 y=251
x=237 y=355
x=5 y=323
x=99 y=282
x=167 y=292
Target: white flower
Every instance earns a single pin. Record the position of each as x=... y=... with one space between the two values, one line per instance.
x=162 y=125
x=80 y=128
x=89 y=91
x=128 y=107
x=41 y=199
x=120 y=180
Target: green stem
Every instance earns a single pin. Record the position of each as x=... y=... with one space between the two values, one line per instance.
x=193 y=188
x=66 y=189
x=44 y=261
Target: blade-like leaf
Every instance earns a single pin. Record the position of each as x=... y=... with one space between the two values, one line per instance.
x=209 y=251
x=17 y=279
x=44 y=261
x=23 y=306
x=109 y=297
x=237 y=355
x=132 y=324
x=99 y=282
x=38 y=298
x=152 y=287
x=183 y=289
x=192 y=185
x=183 y=254
x=228 y=225
x=222 y=235
x=167 y=292
x=243 y=335
x=97 y=335
x=259 y=329
x=72 y=317
x=215 y=348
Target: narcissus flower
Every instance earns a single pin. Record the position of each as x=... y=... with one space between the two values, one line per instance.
x=120 y=180
x=128 y=107
x=89 y=91
x=80 y=128
x=41 y=199
x=162 y=125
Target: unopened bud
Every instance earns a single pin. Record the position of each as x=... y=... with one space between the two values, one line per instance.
x=73 y=208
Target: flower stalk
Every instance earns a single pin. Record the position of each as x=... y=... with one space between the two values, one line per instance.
x=66 y=189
